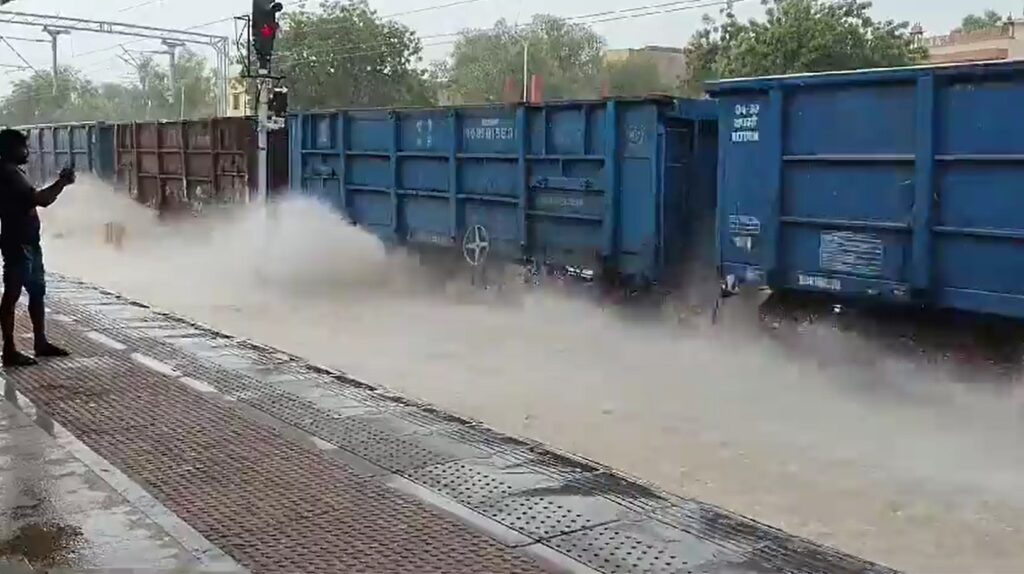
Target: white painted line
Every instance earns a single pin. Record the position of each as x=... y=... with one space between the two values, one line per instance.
x=322 y=444
x=557 y=561
x=155 y=365
x=199 y=385
x=174 y=526
x=106 y=341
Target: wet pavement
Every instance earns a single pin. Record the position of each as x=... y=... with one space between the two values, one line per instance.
x=242 y=456
x=59 y=514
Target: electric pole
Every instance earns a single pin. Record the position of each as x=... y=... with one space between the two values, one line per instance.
x=177 y=93
x=54 y=34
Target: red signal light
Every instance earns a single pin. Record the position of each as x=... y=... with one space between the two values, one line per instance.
x=268 y=31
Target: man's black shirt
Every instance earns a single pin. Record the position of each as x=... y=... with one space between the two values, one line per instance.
x=19 y=220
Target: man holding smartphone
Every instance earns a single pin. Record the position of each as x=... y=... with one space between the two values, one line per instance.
x=19 y=245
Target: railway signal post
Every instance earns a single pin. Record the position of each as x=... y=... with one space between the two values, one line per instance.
x=263 y=29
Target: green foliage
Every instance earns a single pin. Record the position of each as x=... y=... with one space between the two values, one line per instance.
x=567 y=56
x=156 y=99
x=33 y=100
x=976 y=22
x=634 y=76
x=798 y=36
x=344 y=54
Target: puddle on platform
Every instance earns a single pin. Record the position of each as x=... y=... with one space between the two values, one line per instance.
x=43 y=544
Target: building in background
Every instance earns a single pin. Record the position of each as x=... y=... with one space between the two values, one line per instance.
x=238 y=97
x=671 y=62
x=1004 y=42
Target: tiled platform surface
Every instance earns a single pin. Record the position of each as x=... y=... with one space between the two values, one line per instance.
x=289 y=467
x=57 y=512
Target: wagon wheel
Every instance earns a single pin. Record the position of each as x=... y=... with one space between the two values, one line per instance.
x=476 y=245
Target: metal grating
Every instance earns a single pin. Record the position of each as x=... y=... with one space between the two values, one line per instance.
x=768 y=547
x=629 y=494
x=552 y=513
x=648 y=547
x=524 y=492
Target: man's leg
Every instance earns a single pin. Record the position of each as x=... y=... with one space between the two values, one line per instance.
x=14 y=278
x=36 y=287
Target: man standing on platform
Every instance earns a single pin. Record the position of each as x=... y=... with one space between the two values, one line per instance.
x=19 y=245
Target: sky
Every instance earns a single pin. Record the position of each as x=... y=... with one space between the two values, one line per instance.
x=97 y=54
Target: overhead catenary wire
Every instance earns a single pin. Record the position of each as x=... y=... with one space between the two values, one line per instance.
x=139 y=5
x=106 y=61
x=230 y=18
x=18 y=54
x=139 y=40
x=662 y=7
x=439 y=6
x=605 y=16
x=608 y=16
x=421 y=10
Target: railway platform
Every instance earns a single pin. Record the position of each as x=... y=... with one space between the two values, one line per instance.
x=165 y=445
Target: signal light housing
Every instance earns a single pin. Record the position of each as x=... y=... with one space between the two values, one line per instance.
x=265 y=28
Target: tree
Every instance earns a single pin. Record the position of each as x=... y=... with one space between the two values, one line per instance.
x=976 y=22
x=159 y=100
x=344 y=54
x=567 y=56
x=33 y=100
x=634 y=76
x=799 y=36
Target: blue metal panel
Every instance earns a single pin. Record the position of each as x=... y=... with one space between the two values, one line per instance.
x=395 y=128
x=102 y=150
x=453 y=176
x=340 y=145
x=521 y=179
x=896 y=185
x=611 y=169
x=924 y=184
x=55 y=146
x=573 y=183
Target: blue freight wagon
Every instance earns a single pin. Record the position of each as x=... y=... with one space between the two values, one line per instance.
x=897 y=185
x=89 y=145
x=610 y=186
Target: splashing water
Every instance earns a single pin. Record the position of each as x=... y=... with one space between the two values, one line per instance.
x=821 y=430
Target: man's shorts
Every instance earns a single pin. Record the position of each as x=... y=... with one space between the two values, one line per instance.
x=23 y=269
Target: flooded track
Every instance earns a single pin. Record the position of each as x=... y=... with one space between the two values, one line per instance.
x=895 y=437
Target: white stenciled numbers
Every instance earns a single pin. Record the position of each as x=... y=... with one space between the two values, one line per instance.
x=746 y=123
x=490 y=129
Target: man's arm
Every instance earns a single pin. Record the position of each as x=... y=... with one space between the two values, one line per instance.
x=46 y=196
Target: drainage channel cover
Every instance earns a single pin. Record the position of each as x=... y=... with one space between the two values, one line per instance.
x=522 y=491
x=390 y=442
x=763 y=547
x=648 y=546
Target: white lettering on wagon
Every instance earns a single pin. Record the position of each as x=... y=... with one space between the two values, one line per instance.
x=490 y=129
x=746 y=123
